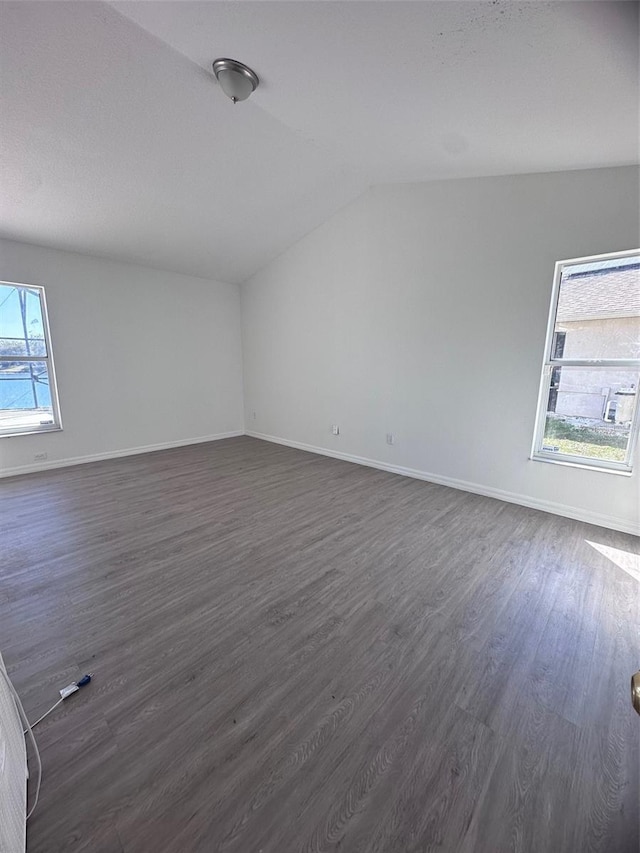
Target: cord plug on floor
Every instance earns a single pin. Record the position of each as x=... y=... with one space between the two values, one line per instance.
x=67 y=691
x=74 y=686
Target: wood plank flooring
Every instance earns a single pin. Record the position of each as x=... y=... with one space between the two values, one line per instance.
x=293 y=654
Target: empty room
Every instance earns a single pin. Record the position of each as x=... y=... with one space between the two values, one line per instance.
x=319 y=366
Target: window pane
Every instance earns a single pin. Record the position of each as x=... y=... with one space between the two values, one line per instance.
x=599 y=310
x=17 y=347
x=21 y=324
x=25 y=398
x=589 y=412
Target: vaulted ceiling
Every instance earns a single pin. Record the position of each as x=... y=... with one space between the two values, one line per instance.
x=117 y=140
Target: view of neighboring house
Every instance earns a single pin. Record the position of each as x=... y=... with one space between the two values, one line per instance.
x=598 y=317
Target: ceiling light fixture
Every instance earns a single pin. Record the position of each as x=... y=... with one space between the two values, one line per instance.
x=237 y=80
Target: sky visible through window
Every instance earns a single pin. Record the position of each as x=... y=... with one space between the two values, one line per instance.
x=11 y=318
x=25 y=395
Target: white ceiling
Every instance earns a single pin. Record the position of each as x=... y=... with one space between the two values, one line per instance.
x=117 y=140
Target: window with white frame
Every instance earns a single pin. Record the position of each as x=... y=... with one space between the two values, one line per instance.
x=587 y=410
x=28 y=396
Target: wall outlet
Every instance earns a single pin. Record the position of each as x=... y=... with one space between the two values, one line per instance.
x=40 y=457
x=391 y=438
x=253 y=415
x=335 y=429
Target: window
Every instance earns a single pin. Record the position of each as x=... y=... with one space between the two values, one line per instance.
x=28 y=397
x=587 y=410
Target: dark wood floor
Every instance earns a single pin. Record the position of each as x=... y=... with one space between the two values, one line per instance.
x=293 y=653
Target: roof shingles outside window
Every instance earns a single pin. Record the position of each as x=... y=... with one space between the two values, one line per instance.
x=600 y=294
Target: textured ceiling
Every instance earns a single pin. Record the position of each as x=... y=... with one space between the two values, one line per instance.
x=117 y=141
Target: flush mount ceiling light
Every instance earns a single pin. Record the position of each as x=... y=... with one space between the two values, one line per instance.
x=237 y=80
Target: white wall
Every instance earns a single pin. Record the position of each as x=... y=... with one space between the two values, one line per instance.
x=422 y=310
x=143 y=357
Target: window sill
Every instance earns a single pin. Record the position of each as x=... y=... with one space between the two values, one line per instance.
x=31 y=431
x=623 y=471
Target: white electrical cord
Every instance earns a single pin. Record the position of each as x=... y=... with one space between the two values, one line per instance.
x=25 y=720
x=46 y=714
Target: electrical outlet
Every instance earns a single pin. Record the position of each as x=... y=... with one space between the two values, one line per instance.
x=253 y=415
x=391 y=438
x=335 y=429
x=40 y=457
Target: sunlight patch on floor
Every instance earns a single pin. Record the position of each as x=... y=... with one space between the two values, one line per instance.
x=625 y=560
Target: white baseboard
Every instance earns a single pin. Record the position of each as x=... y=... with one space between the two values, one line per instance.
x=114 y=454
x=600 y=519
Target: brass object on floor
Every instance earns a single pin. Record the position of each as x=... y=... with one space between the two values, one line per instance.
x=635 y=691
